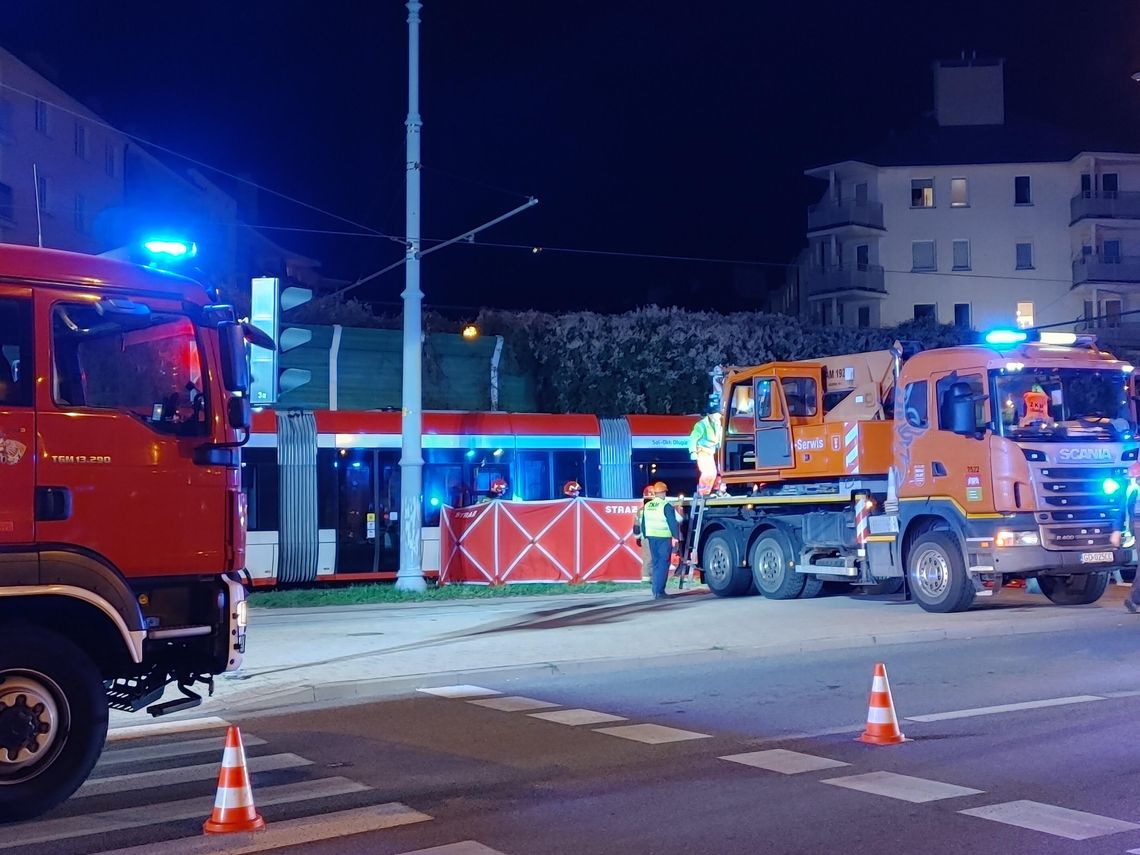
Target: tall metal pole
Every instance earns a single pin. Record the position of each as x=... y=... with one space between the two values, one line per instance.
x=411 y=575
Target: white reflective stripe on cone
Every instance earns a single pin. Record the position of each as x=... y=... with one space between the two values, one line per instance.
x=880 y=715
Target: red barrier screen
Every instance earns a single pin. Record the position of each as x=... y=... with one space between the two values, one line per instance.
x=566 y=540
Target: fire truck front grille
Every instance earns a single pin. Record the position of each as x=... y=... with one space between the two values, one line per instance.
x=1075 y=510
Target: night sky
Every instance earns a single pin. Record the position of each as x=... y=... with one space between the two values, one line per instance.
x=650 y=127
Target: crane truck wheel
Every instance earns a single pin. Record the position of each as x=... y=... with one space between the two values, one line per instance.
x=53 y=720
x=1079 y=590
x=812 y=588
x=722 y=572
x=773 y=567
x=936 y=573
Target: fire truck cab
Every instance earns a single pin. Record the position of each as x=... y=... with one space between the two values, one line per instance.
x=122 y=411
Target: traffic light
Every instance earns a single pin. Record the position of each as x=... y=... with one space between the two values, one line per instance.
x=267 y=303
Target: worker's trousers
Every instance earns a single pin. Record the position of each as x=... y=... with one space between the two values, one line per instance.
x=661 y=549
x=706 y=465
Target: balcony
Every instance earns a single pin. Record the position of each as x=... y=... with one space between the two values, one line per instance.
x=865 y=281
x=1109 y=205
x=1113 y=336
x=1098 y=268
x=829 y=215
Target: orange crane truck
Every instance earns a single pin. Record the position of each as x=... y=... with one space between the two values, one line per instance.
x=123 y=406
x=948 y=470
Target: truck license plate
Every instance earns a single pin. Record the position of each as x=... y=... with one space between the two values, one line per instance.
x=1096 y=557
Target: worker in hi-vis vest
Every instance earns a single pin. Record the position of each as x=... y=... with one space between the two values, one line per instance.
x=704 y=440
x=659 y=526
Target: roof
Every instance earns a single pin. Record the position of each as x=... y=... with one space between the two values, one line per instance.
x=1019 y=140
x=33 y=264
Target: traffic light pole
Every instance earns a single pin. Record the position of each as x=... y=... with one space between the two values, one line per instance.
x=411 y=576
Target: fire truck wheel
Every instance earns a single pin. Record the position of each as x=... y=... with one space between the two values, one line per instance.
x=1074 y=590
x=721 y=569
x=773 y=567
x=812 y=588
x=937 y=574
x=53 y=720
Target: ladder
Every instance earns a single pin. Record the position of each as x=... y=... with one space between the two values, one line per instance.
x=690 y=555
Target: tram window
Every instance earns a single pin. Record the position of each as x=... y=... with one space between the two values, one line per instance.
x=568 y=466
x=534 y=476
x=673 y=467
x=327 y=466
x=443 y=485
x=259 y=482
x=356 y=496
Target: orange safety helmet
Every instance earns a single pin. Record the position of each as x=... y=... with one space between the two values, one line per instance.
x=571 y=488
x=660 y=487
x=498 y=486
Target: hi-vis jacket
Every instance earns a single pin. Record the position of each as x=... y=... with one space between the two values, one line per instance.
x=705 y=436
x=659 y=520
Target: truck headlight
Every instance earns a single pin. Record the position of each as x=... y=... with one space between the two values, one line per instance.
x=1016 y=538
x=243 y=614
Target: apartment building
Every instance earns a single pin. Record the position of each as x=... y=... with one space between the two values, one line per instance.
x=975 y=219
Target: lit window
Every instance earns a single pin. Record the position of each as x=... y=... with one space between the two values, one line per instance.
x=959 y=196
x=1024 y=315
x=922 y=193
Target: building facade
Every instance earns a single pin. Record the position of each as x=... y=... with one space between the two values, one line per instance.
x=976 y=220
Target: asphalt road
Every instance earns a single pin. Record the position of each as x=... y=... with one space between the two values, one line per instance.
x=464 y=770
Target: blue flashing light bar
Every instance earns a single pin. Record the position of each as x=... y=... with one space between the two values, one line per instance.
x=1006 y=336
x=1111 y=486
x=171 y=248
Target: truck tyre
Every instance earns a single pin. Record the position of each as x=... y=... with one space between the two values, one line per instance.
x=1077 y=590
x=53 y=720
x=773 y=567
x=936 y=573
x=721 y=569
x=812 y=588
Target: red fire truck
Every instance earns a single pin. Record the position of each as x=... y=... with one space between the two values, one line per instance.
x=123 y=407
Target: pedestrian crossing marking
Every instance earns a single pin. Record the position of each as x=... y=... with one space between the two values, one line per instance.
x=783 y=761
x=170 y=750
x=1050 y=819
x=651 y=734
x=460 y=692
x=903 y=787
x=182 y=774
x=514 y=703
x=577 y=717
x=467 y=847
x=106 y=822
x=165 y=728
x=293 y=832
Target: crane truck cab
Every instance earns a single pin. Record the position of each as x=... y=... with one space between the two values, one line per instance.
x=123 y=406
x=954 y=469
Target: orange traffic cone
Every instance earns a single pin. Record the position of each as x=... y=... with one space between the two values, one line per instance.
x=233 y=806
x=882 y=724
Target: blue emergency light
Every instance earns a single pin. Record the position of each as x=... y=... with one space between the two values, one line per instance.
x=1111 y=486
x=170 y=248
x=1006 y=336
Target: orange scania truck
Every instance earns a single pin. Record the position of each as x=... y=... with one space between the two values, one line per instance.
x=123 y=407
x=949 y=470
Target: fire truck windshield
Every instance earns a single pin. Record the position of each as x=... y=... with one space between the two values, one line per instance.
x=146 y=364
x=1055 y=404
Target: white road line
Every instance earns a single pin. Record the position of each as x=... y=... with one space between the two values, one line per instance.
x=651 y=734
x=164 y=728
x=783 y=761
x=467 y=847
x=515 y=703
x=460 y=692
x=902 y=787
x=183 y=774
x=170 y=750
x=293 y=832
x=1004 y=708
x=1058 y=821
x=106 y=822
x=577 y=717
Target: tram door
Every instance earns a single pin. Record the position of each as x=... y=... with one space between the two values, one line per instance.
x=368 y=502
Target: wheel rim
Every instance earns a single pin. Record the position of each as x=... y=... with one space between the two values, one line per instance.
x=769 y=564
x=932 y=574
x=33 y=719
x=718 y=563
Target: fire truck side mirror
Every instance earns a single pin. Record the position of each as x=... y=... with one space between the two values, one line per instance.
x=235 y=366
x=239 y=413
